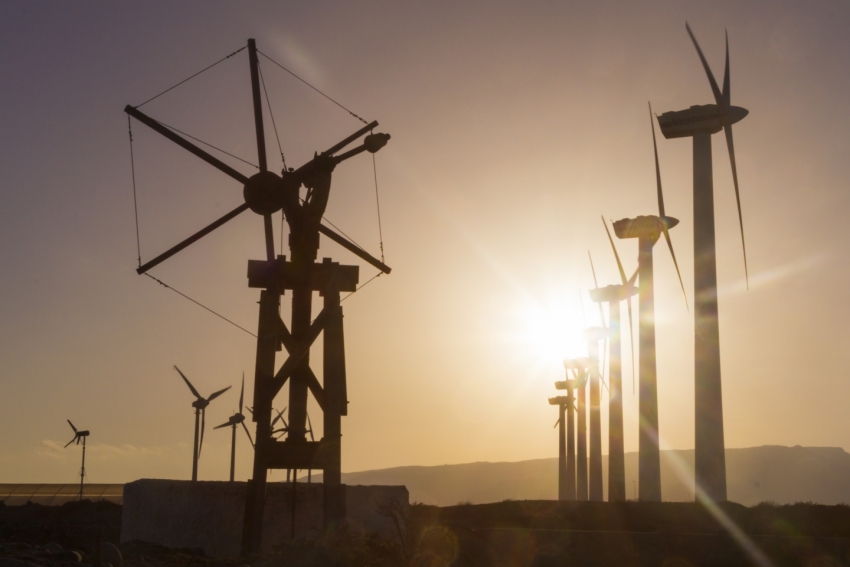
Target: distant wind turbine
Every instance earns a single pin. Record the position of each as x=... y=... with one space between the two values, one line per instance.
x=236 y=419
x=200 y=404
x=78 y=436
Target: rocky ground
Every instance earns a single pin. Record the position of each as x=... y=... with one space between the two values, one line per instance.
x=509 y=534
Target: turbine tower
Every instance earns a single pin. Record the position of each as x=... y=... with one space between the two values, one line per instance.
x=80 y=435
x=699 y=123
x=648 y=229
x=613 y=295
x=200 y=404
x=234 y=420
x=594 y=335
x=566 y=420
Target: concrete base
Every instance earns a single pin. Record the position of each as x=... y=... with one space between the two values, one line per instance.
x=208 y=515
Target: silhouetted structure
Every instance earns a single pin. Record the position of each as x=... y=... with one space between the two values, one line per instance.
x=80 y=436
x=613 y=295
x=236 y=419
x=648 y=229
x=200 y=404
x=700 y=122
x=266 y=193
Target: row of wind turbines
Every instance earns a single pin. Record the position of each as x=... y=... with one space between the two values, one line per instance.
x=200 y=404
x=580 y=473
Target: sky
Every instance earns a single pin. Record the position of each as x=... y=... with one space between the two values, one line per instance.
x=515 y=126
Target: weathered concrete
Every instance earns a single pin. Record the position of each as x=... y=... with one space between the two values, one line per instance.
x=209 y=515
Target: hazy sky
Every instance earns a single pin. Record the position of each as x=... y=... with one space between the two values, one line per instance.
x=514 y=126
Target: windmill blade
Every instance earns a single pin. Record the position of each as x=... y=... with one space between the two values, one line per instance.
x=225 y=424
x=657 y=168
x=726 y=86
x=248 y=433
x=191 y=387
x=556 y=423
x=71 y=441
x=278 y=418
x=185 y=144
x=72 y=425
x=258 y=103
x=675 y=263
x=631 y=332
x=203 y=425
x=269 y=232
x=214 y=395
x=614 y=248
x=192 y=239
x=310 y=425
x=718 y=97
x=730 y=143
x=242 y=393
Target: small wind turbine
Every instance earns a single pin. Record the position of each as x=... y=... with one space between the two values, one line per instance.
x=78 y=435
x=200 y=404
x=234 y=420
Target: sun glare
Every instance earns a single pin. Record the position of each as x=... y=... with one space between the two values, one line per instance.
x=549 y=331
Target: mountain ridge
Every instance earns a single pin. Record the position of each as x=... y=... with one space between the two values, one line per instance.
x=767 y=473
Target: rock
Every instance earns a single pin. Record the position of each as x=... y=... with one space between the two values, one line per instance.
x=53 y=547
x=110 y=554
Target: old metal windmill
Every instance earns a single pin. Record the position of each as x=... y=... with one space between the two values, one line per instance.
x=700 y=122
x=266 y=193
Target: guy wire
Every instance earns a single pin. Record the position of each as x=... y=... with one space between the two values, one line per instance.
x=378 y=203
x=312 y=87
x=199 y=304
x=192 y=77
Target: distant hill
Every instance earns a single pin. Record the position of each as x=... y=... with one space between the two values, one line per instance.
x=756 y=474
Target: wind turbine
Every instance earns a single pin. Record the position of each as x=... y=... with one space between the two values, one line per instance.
x=613 y=295
x=79 y=435
x=594 y=335
x=566 y=421
x=234 y=420
x=648 y=229
x=200 y=404
x=700 y=122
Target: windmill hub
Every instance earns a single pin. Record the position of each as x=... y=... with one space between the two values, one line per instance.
x=262 y=193
x=611 y=293
x=200 y=404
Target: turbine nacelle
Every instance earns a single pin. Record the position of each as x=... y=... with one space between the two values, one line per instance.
x=649 y=226
x=613 y=293
x=707 y=118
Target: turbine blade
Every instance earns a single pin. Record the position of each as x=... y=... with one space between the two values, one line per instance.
x=593 y=270
x=203 y=425
x=248 y=433
x=726 y=85
x=214 y=395
x=310 y=425
x=730 y=143
x=72 y=425
x=675 y=263
x=225 y=424
x=191 y=387
x=556 y=423
x=614 y=248
x=718 y=97
x=69 y=442
x=634 y=277
x=657 y=168
x=242 y=393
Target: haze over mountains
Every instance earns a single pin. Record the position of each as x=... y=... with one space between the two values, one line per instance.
x=756 y=474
